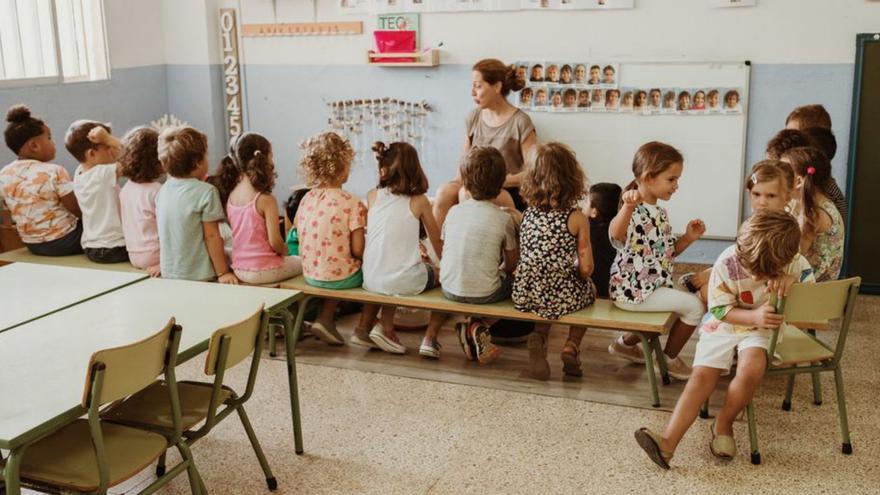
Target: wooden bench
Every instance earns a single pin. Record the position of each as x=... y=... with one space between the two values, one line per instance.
x=601 y=314
x=76 y=260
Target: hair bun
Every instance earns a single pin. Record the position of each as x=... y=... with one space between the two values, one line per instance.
x=18 y=113
x=380 y=149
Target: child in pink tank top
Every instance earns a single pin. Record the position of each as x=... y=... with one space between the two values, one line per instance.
x=245 y=180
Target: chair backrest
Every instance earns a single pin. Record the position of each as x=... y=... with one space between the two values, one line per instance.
x=242 y=339
x=129 y=368
x=819 y=302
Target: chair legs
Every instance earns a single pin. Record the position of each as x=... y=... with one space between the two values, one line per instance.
x=846 y=446
x=255 y=443
x=753 y=434
x=197 y=486
x=789 y=389
x=704 y=411
x=817 y=385
x=649 y=368
x=160 y=465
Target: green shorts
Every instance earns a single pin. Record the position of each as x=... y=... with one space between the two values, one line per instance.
x=354 y=280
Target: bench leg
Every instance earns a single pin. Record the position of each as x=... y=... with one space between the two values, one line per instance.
x=649 y=368
x=661 y=359
x=291 y=337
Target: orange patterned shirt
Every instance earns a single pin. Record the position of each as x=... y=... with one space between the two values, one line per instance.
x=32 y=191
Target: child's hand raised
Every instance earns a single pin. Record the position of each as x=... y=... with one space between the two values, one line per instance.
x=695 y=229
x=98 y=135
x=766 y=317
x=632 y=198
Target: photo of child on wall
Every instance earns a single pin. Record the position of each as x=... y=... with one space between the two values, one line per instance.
x=537 y=72
x=713 y=100
x=556 y=98
x=569 y=100
x=698 y=104
x=565 y=74
x=609 y=76
x=640 y=101
x=583 y=100
x=626 y=101
x=732 y=102
x=552 y=73
x=525 y=97
x=580 y=75
x=598 y=100
x=683 y=101
x=540 y=103
x=612 y=100
x=655 y=99
x=668 y=101
x=595 y=76
x=522 y=72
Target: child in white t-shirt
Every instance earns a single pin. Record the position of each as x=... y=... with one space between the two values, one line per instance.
x=95 y=183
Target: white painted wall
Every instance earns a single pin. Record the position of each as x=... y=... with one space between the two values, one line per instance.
x=134 y=33
x=776 y=31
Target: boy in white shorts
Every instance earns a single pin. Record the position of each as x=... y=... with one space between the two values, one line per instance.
x=764 y=262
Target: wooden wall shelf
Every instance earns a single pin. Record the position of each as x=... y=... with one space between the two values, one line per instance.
x=427 y=58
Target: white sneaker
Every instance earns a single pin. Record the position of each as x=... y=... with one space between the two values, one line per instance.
x=430 y=348
x=676 y=368
x=385 y=342
x=631 y=353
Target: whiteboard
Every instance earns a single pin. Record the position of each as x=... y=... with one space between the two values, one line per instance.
x=713 y=145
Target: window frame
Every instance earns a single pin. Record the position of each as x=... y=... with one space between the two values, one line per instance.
x=59 y=79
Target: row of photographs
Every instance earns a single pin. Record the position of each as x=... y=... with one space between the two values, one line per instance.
x=654 y=101
x=575 y=74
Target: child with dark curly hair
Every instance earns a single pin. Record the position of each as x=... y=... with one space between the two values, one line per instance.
x=39 y=194
x=554 y=233
x=245 y=180
x=137 y=198
x=330 y=223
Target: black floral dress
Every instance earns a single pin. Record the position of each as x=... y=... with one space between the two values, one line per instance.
x=546 y=281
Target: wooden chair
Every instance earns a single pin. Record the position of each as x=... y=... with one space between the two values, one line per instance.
x=201 y=401
x=90 y=455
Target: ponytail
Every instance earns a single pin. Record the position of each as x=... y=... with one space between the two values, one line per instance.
x=226 y=178
x=811 y=164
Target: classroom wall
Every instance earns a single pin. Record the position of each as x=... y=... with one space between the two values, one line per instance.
x=802 y=52
x=134 y=95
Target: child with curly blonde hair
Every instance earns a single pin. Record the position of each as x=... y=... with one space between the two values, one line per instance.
x=330 y=223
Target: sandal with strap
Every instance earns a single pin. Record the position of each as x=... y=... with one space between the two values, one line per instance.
x=722 y=446
x=650 y=443
x=571 y=359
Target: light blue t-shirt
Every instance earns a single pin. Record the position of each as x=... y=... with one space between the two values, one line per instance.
x=181 y=207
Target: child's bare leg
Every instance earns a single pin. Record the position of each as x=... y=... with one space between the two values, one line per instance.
x=698 y=389
x=576 y=335
x=328 y=312
x=539 y=368
x=387 y=321
x=368 y=316
x=678 y=337
x=434 y=325
x=749 y=373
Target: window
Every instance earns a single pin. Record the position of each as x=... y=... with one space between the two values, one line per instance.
x=37 y=37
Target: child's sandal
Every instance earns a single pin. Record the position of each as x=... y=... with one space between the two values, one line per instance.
x=571 y=359
x=650 y=443
x=722 y=446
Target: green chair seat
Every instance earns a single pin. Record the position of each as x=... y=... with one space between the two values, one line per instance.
x=797 y=347
x=67 y=458
x=151 y=407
